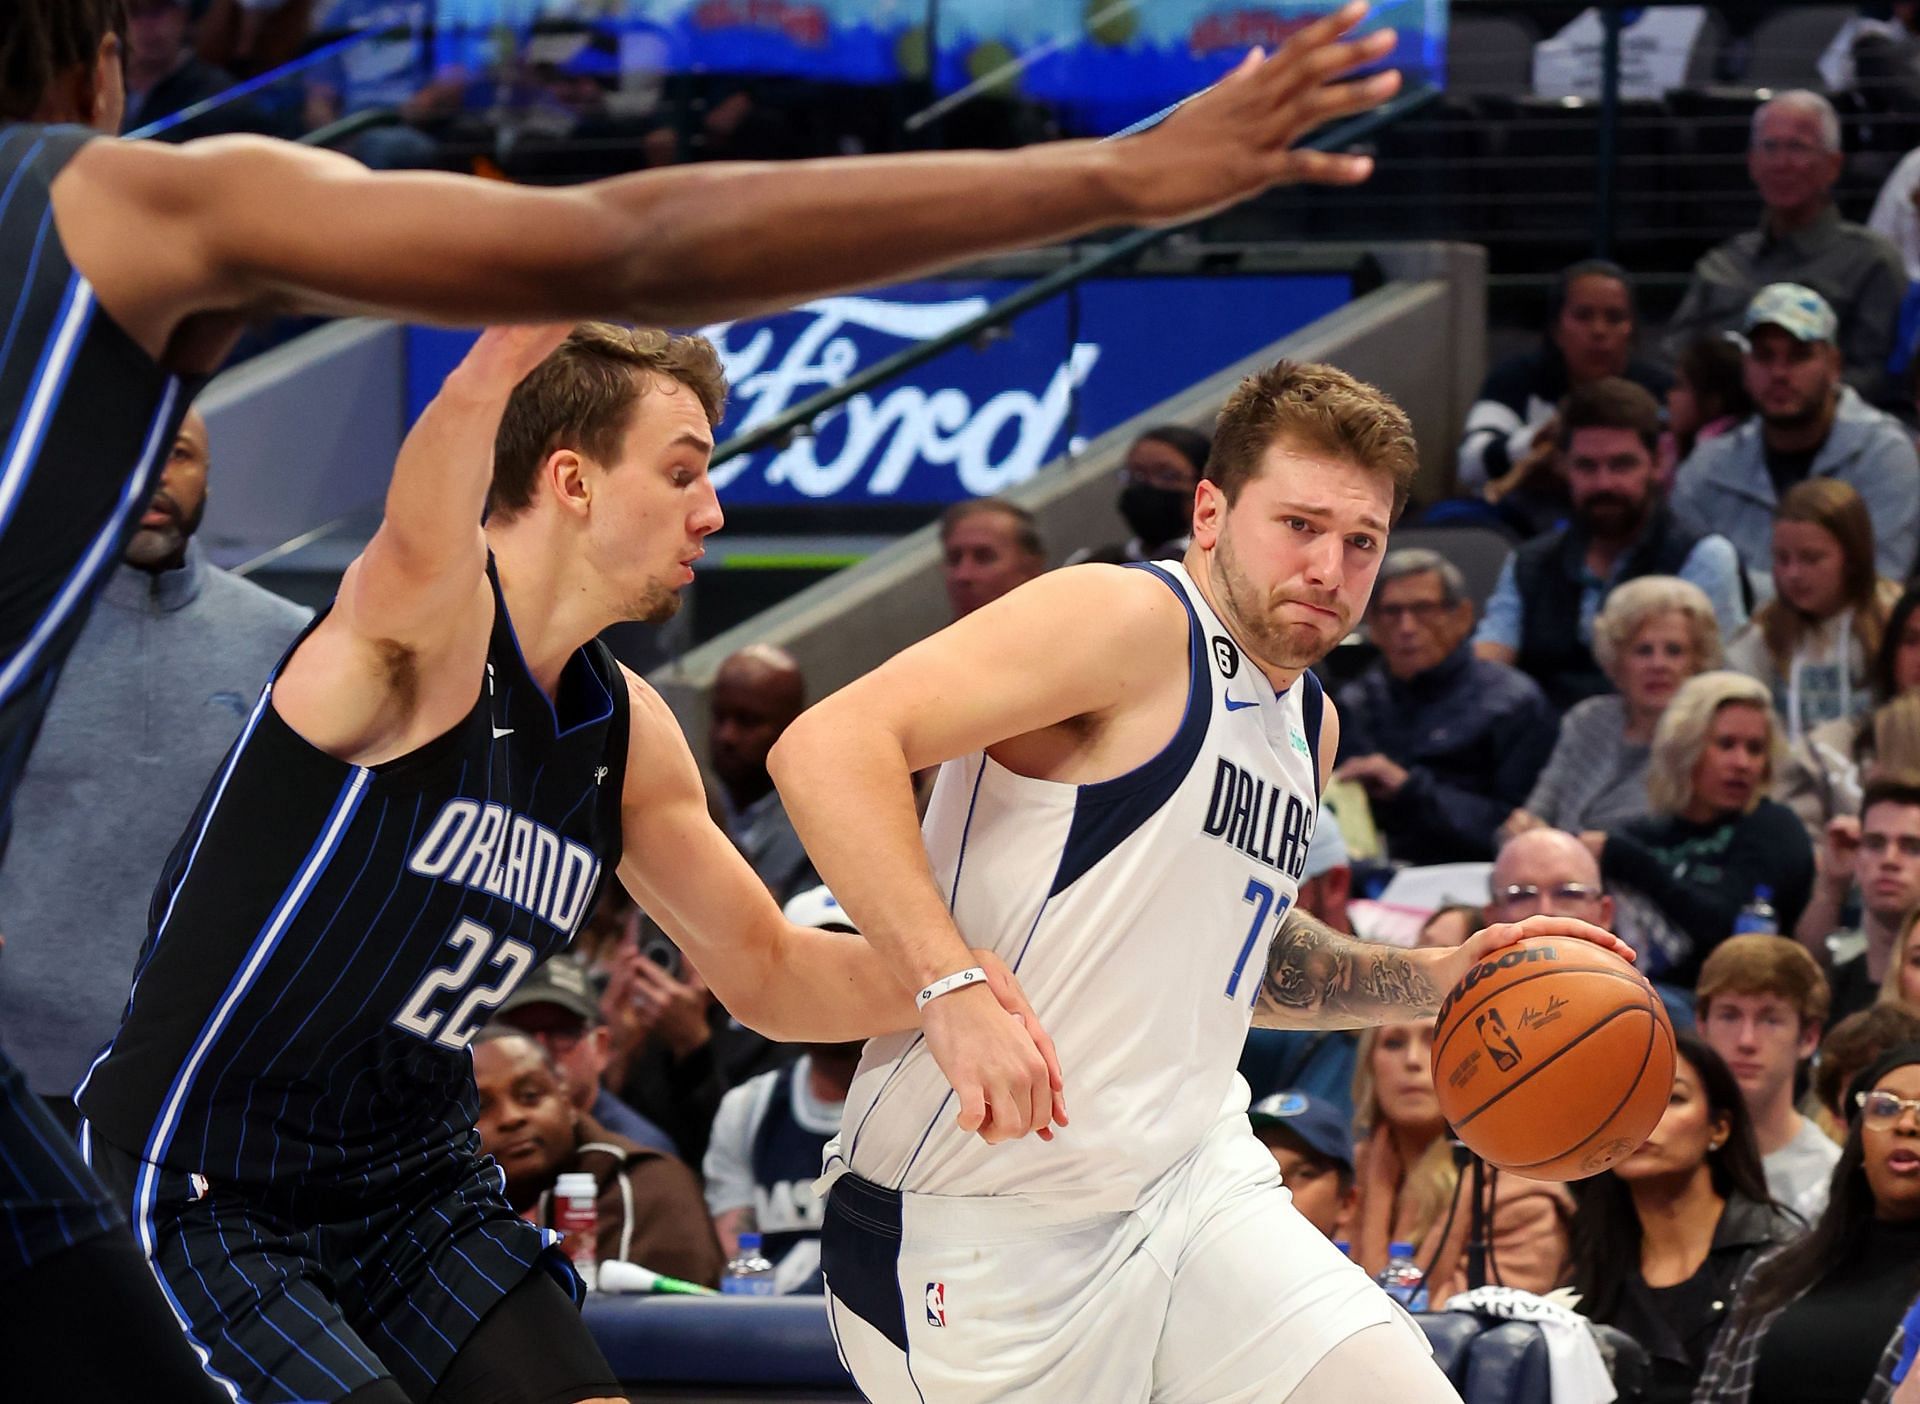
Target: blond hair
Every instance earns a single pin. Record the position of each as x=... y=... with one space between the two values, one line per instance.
x=1316 y=407
x=1681 y=736
x=582 y=398
x=1427 y=1186
x=1890 y=982
x=1629 y=608
x=1759 y=964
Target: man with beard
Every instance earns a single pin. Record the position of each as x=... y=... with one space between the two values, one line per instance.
x=159 y=683
x=1807 y=424
x=1540 y=615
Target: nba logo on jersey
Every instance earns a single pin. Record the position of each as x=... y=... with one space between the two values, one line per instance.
x=936 y=1304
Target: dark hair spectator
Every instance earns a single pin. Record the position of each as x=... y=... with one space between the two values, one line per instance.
x=1852 y=1044
x=1707 y=398
x=1157 y=481
x=1878 y=855
x=1660 y=1239
x=757 y=693
x=1509 y=445
x=1819 y=1318
x=650 y=1210
x=1807 y=424
x=1540 y=616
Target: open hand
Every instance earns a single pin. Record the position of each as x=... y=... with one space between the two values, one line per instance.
x=1236 y=138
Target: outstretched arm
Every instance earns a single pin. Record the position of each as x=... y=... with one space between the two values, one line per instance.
x=238 y=225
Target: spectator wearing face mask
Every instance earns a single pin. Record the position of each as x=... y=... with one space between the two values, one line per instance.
x=1163 y=468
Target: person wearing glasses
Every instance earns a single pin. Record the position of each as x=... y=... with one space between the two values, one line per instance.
x=1157 y=482
x=1794 y=159
x=1445 y=744
x=1820 y=1319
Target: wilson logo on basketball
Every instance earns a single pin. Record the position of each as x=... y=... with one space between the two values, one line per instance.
x=1517 y=956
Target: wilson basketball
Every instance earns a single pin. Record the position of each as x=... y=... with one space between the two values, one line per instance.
x=1553 y=1059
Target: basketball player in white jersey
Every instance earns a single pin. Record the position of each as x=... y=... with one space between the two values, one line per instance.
x=1132 y=766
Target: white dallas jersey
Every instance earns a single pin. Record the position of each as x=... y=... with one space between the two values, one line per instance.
x=1137 y=913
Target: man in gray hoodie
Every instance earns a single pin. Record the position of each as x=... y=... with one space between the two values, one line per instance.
x=159 y=683
x=1807 y=424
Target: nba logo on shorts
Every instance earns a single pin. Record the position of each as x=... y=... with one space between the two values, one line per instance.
x=936 y=1304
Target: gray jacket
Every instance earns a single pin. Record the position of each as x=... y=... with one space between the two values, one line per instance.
x=1724 y=486
x=156 y=689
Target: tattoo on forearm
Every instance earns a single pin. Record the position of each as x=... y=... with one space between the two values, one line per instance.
x=1316 y=974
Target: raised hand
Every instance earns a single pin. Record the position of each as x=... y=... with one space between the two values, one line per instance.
x=1236 y=139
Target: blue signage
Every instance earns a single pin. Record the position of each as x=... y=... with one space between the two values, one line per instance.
x=976 y=420
x=1104 y=62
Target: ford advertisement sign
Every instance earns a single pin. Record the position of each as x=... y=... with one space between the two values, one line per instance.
x=978 y=419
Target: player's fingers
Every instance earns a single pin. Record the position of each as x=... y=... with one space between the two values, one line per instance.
x=1325 y=168
x=1293 y=88
x=1321 y=32
x=1008 y=1109
x=973 y=1107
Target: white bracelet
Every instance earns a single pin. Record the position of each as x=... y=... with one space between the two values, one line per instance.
x=959 y=980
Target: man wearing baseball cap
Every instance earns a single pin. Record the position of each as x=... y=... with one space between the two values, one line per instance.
x=1807 y=424
x=558 y=1007
x=1314 y=1150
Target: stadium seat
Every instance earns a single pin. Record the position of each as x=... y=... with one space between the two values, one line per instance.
x=1451 y=1334
x=1490 y=53
x=1786 y=46
x=1508 y=1364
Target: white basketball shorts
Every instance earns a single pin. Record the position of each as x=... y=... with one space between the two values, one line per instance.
x=1214 y=1289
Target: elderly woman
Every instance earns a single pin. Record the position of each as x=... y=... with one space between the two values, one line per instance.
x=1819 y=1321
x=1825 y=773
x=1681 y=875
x=1651 y=636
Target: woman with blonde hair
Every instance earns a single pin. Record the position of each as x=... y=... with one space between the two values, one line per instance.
x=1651 y=635
x=1900 y=986
x=1815 y=641
x=1713 y=841
x=1411 y=1190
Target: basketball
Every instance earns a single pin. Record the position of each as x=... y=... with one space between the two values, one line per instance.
x=1553 y=1059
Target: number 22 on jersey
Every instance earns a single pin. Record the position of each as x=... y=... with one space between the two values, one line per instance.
x=471 y=941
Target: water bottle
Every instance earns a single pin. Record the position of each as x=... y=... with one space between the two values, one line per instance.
x=749 y=1274
x=1758 y=915
x=577 y=1216
x=1402 y=1278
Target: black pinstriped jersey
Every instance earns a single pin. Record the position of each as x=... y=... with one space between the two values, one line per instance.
x=326 y=937
x=88 y=419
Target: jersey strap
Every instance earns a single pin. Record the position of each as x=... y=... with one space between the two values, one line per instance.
x=1106 y=813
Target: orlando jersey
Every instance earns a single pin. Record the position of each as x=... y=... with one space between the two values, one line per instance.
x=1137 y=913
x=326 y=938
x=87 y=419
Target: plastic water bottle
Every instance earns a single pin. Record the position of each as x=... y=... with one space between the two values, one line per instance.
x=577 y=1216
x=749 y=1274
x=1402 y=1278
x=1758 y=915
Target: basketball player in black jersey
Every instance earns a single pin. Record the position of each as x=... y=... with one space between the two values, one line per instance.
x=128 y=269
x=414 y=816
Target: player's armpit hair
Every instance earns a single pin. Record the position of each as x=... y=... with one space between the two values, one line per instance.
x=1317 y=977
